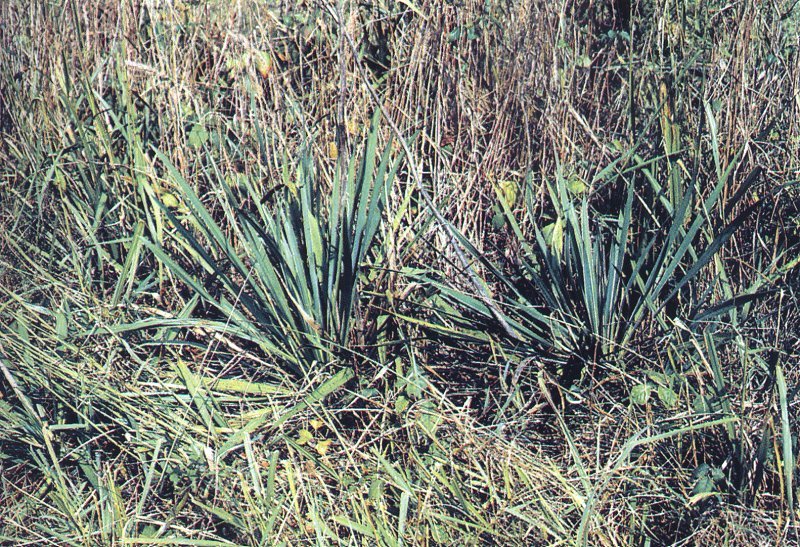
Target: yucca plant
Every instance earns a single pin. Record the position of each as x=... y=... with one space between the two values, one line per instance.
x=288 y=272
x=588 y=281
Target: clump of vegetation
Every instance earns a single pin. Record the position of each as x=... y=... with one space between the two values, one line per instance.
x=399 y=273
